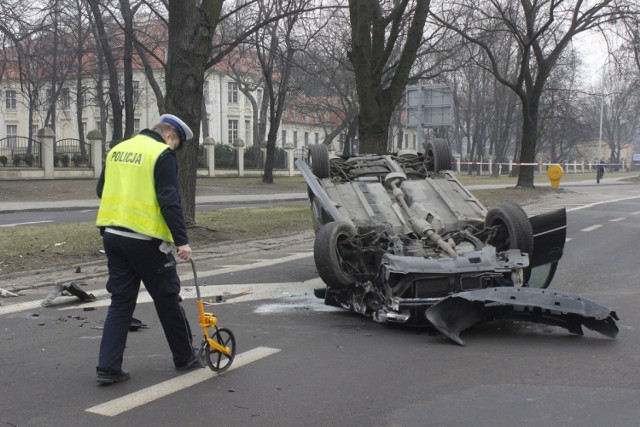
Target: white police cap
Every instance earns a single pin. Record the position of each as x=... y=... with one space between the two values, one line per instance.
x=183 y=130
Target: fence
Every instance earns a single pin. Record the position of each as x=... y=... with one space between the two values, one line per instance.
x=238 y=160
x=25 y=158
x=463 y=166
x=20 y=152
x=72 y=151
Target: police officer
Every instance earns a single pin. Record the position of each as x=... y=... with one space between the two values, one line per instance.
x=141 y=219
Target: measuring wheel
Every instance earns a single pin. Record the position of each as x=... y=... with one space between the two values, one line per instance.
x=217 y=360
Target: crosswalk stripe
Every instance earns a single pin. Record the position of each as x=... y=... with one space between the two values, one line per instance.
x=133 y=400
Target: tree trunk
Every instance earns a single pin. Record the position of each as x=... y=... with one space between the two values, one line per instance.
x=374 y=131
x=127 y=15
x=372 y=41
x=191 y=30
x=529 y=139
x=114 y=90
x=151 y=79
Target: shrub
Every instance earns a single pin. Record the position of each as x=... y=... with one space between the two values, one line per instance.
x=27 y=159
x=79 y=160
x=4 y=160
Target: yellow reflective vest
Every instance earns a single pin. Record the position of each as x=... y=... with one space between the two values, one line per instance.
x=129 y=194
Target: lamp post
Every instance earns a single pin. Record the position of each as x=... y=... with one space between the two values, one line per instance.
x=600 y=135
x=600 y=141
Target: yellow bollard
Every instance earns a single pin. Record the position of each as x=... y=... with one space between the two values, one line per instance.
x=554 y=173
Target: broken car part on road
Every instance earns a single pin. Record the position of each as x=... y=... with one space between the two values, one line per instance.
x=398 y=238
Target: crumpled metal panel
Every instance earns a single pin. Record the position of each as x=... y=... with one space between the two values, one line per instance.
x=460 y=311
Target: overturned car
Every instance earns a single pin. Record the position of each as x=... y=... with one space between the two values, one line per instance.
x=400 y=239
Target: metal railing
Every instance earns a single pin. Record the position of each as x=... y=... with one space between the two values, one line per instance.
x=20 y=151
x=72 y=152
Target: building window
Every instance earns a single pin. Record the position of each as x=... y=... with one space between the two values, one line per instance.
x=136 y=91
x=317 y=138
x=205 y=90
x=232 y=92
x=306 y=139
x=233 y=131
x=83 y=98
x=295 y=139
x=259 y=96
x=247 y=132
x=284 y=138
x=12 y=103
x=84 y=129
x=66 y=100
x=49 y=98
x=34 y=131
x=136 y=125
x=12 y=135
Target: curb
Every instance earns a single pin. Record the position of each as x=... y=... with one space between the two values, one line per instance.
x=21 y=281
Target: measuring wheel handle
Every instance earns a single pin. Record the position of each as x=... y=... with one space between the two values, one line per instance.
x=219 y=360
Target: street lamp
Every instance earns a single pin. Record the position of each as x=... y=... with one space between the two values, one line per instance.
x=600 y=135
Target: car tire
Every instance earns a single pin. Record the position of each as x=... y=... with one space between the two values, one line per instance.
x=319 y=160
x=326 y=254
x=517 y=224
x=437 y=156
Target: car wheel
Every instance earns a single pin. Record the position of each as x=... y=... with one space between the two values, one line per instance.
x=319 y=160
x=519 y=234
x=437 y=156
x=332 y=256
x=516 y=232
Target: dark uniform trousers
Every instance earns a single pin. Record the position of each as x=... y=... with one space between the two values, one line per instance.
x=132 y=260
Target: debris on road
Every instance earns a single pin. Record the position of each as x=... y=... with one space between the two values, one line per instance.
x=5 y=293
x=137 y=324
x=225 y=296
x=67 y=288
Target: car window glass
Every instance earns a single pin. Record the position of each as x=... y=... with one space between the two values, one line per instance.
x=541 y=275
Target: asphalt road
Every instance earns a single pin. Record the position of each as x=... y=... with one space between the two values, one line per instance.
x=302 y=363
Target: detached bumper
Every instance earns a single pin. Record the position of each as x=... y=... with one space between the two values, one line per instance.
x=458 y=312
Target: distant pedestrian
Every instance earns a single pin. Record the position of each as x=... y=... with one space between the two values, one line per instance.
x=601 y=167
x=141 y=220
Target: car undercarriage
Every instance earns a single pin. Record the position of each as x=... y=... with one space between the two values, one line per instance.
x=398 y=238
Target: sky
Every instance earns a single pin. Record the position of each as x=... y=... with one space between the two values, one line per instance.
x=593 y=52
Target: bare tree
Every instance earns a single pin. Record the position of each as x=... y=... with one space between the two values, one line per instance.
x=275 y=48
x=325 y=76
x=194 y=47
x=110 y=63
x=541 y=31
x=377 y=32
x=128 y=14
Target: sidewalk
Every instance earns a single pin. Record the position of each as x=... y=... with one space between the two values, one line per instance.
x=250 y=195
x=93 y=204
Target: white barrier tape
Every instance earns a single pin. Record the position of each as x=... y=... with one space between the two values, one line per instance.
x=538 y=164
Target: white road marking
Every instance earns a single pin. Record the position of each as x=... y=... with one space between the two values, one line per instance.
x=635 y=213
x=23 y=223
x=187 y=291
x=568 y=239
x=590 y=205
x=591 y=228
x=617 y=219
x=130 y=401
